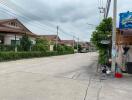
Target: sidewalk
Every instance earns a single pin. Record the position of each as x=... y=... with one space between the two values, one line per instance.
x=117 y=89
x=110 y=89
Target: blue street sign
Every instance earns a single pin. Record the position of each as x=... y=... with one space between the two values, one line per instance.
x=125 y=20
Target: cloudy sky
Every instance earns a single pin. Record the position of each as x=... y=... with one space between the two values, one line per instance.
x=72 y=16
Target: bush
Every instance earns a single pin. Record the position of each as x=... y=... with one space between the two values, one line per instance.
x=25 y=43
x=6 y=47
x=41 y=45
x=64 y=49
x=5 y=56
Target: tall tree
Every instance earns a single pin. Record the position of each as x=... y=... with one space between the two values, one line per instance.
x=25 y=43
x=103 y=32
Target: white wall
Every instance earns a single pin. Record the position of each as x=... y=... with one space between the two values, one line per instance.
x=33 y=40
x=51 y=47
x=9 y=37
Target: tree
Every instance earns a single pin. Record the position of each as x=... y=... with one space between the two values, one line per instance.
x=41 y=45
x=25 y=43
x=79 y=47
x=103 y=32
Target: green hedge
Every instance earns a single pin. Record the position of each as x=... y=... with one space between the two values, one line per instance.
x=6 y=47
x=5 y=56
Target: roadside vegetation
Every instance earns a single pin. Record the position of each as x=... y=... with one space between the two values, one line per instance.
x=26 y=49
x=103 y=33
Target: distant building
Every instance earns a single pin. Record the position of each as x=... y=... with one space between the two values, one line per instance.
x=12 y=30
x=87 y=46
x=52 y=40
x=68 y=42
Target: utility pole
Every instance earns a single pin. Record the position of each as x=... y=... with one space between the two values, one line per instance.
x=15 y=44
x=114 y=35
x=102 y=10
x=73 y=41
x=78 y=44
x=56 y=43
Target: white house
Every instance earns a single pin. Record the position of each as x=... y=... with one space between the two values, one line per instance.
x=12 y=30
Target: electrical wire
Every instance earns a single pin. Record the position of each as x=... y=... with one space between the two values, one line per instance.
x=22 y=10
x=24 y=18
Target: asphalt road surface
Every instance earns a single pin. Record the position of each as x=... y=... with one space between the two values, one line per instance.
x=51 y=78
x=68 y=77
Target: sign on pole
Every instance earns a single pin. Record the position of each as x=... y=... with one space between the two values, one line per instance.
x=125 y=20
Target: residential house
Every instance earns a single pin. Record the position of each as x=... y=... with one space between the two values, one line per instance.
x=53 y=39
x=12 y=30
x=68 y=42
x=50 y=38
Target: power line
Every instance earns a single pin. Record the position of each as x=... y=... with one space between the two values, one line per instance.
x=107 y=8
x=36 y=25
x=22 y=10
x=24 y=18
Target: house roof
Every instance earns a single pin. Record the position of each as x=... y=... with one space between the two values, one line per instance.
x=8 y=29
x=49 y=37
x=70 y=42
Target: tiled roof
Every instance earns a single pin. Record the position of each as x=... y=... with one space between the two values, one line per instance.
x=6 y=20
x=49 y=37
x=67 y=42
x=12 y=30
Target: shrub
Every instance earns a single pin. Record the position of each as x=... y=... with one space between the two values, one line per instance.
x=41 y=45
x=6 y=47
x=4 y=56
x=64 y=49
x=25 y=43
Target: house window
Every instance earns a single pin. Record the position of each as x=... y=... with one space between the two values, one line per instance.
x=13 y=24
x=13 y=42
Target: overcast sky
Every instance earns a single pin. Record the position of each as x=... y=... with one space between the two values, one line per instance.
x=72 y=16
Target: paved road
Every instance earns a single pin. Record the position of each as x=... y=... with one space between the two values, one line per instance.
x=69 y=77
x=53 y=78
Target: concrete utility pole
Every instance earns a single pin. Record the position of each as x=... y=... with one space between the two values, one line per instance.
x=15 y=44
x=56 y=43
x=73 y=41
x=102 y=10
x=114 y=35
x=78 y=45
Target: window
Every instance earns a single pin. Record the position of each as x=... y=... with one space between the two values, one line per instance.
x=13 y=42
x=13 y=24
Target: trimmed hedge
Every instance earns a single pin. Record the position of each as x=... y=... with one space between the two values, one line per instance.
x=6 y=47
x=5 y=56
